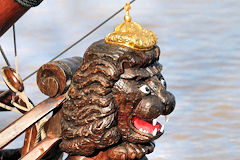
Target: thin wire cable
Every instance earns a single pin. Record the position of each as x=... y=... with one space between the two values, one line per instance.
x=4 y=56
x=15 y=48
x=93 y=30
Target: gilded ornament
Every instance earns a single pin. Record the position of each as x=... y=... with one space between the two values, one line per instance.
x=130 y=34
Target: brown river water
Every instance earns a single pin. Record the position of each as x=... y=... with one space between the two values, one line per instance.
x=200 y=44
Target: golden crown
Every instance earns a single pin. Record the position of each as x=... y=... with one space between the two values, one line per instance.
x=130 y=34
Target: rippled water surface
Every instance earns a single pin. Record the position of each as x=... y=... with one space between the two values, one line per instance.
x=200 y=43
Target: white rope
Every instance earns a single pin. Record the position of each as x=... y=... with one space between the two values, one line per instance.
x=19 y=106
x=16 y=64
x=2 y=105
x=25 y=99
x=1 y=82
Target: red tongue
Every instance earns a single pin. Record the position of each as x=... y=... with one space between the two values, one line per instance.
x=139 y=123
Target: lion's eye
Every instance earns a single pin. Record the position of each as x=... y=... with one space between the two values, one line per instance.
x=163 y=82
x=145 y=89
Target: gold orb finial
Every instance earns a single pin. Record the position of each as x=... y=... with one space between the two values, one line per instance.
x=127 y=16
x=130 y=34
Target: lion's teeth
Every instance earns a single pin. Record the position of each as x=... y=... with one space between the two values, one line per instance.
x=162 y=129
x=154 y=132
x=166 y=118
x=154 y=122
x=141 y=129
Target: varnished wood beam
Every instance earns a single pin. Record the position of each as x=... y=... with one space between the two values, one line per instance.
x=10 y=12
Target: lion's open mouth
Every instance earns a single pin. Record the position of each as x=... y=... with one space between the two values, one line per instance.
x=151 y=127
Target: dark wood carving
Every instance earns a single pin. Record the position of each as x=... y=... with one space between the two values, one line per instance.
x=100 y=156
x=54 y=78
x=115 y=95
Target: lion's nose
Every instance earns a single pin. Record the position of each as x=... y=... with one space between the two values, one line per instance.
x=152 y=106
x=149 y=107
x=169 y=101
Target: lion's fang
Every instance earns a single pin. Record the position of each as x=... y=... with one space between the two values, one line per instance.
x=154 y=122
x=162 y=128
x=154 y=132
x=141 y=129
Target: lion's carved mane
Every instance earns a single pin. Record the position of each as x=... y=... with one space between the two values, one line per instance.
x=90 y=115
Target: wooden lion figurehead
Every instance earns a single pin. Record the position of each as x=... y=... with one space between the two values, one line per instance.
x=115 y=97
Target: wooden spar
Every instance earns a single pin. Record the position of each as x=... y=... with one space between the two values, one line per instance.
x=20 y=125
x=53 y=128
x=29 y=140
x=10 y=12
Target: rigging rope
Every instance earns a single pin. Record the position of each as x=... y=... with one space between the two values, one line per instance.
x=4 y=56
x=93 y=30
x=15 y=48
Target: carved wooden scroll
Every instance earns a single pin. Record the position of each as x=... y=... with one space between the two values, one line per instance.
x=54 y=78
